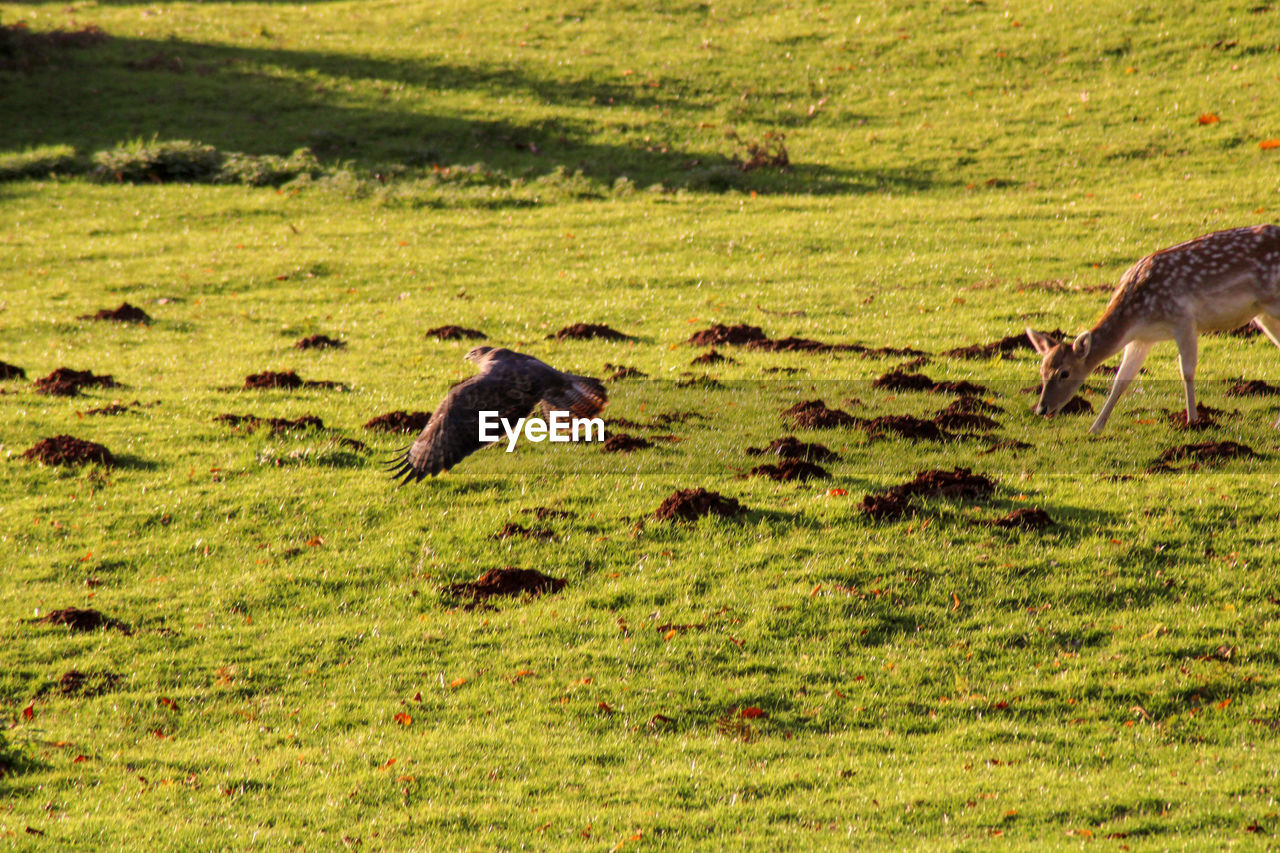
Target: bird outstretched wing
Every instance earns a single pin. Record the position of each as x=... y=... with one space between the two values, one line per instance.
x=510 y=384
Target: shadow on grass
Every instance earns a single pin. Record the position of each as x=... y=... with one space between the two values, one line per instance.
x=266 y=100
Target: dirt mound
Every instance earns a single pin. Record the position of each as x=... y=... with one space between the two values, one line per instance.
x=969 y=405
x=319 y=342
x=11 y=371
x=1206 y=417
x=273 y=379
x=712 y=357
x=507 y=582
x=906 y=426
x=794 y=344
x=1025 y=519
x=81 y=620
x=1010 y=444
x=126 y=313
x=900 y=380
x=67 y=450
x=790 y=447
x=65 y=382
x=1250 y=388
x=692 y=504
x=77 y=684
x=892 y=351
x=542 y=513
x=513 y=530
x=1077 y=405
x=1005 y=347
x=814 y=414
x=113 y=409
x=623 y=372
x=957 y=483
x=961 y=387
x=620 y=442
x=399 y=421
x=722 y=334
x=789 y=470
x=897 y=380
x=1208 y=451
x=882 y=505
x=276 y=424
x=286 y=379
x=589 y=331
x=455 y=333
x=965 y=422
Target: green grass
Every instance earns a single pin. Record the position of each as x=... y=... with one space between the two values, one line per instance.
x=928 y=683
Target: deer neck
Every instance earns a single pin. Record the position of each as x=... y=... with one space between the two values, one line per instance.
x=1108 y=336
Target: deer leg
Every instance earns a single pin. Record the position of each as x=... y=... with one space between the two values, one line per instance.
x=1134 y=354
x=1270 y=326
x=1188 y=354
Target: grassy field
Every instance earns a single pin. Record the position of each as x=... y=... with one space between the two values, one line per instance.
x=294 y=674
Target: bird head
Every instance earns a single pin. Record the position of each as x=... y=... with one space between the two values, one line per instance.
x=476 y=355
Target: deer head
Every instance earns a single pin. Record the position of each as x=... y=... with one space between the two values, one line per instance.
x=1062 y=371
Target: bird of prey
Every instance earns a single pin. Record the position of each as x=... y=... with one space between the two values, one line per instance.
x=509 y=383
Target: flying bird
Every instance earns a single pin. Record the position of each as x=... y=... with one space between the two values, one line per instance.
x=511 y=384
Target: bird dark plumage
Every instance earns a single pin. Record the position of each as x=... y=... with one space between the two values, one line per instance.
x=509 y=383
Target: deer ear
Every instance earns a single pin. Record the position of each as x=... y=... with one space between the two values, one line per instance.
x=1042 y=343
x=1081 y=345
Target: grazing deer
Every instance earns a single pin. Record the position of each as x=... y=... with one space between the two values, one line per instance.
x=1212 y=283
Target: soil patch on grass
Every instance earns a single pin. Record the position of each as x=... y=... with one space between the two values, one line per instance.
x=68 y=450
x=722 y=334
x=1023 y=519
x=78 y=619
x=895 y=502
x=692 y=504
x=965 y=422
x=285 y=379
x=900 y=380
x=1077 y=405
x=907 y=426
x=618 y=371
x=1206 y=417
x=1009 y=444
x=126 y=313
x=620 y=442
x=320 y=342
x=969 y=405
x=712 y=357
x=507 y=582
x=1003 y=348
x=399 y=421
x=814 y=414
x=790 y=447
x=113 y=409
x=789 y=470
x=11 y=371
x=83 y=685
x=589 y=331
x=542 y=513
x=1252 y=388
x=276 y=424
x=1204 y=452
x=65 y=382
x=514 y=530
x=455 y=333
